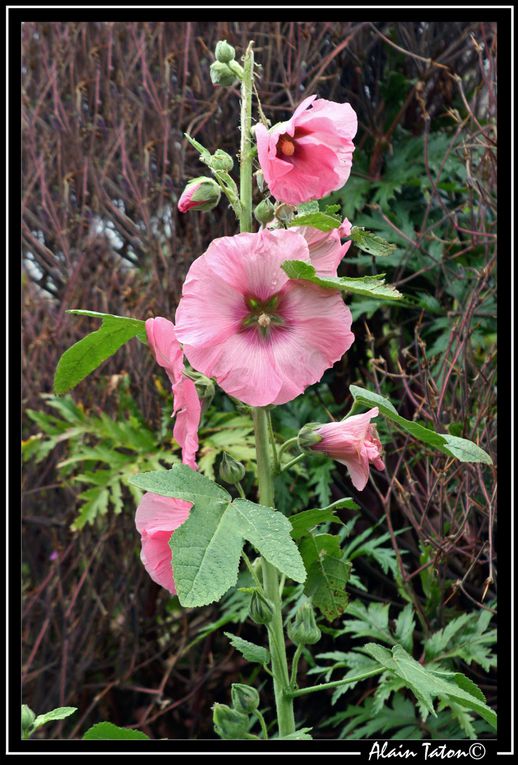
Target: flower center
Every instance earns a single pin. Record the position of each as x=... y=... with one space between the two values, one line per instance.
x=286 y=145
x=262 y=314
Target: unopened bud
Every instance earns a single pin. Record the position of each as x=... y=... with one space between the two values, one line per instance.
x=224 y=52
x=28 y=718
x=261 y=609
x=303 y=630
x=307 y=436
x=200 y=194
x=230 y=470
x=245 y=699
x=228 y=722
x=220 y=160
x=221 y=74
x=264 y=212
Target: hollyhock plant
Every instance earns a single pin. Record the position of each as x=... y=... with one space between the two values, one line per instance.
x=354 y=442
x=161 y=336
x=263 y=337
x=309 y=156
x=325 y=248
x=156 y=519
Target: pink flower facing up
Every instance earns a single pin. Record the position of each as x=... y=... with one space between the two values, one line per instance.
x=263 y=337
x=161 y=336
x=156 y=519
x=309 y=156
x=325 y=248
x=354 y=442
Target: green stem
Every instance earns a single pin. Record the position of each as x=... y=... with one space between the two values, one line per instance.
x=335 y=683
x=292 y=462
x=295 y=666
x=281 y=680
x=245 y=176
x=287 y=444
x=262 y=723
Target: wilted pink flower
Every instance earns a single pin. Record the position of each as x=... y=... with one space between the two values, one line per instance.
x=354 y=442
x=156 y=519
x=263 y=337
x=200 y=194
x=161 y=336
x=325 y=248
x=310 y=155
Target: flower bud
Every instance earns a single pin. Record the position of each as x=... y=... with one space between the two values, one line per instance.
x=245 y=699
x=261 y=609
x=264 y=212
x=220 y=160
x=224 y=52
x=221 y=74
x=28 y=718
x=307 y=436
x=230 y=470
x=303 y=630
x=204 y=388
x=201 y=194
x=228 y=722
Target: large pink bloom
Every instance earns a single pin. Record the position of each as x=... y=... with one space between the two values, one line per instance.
x=309 y=156
x=161 y=336
x=156 y=519
x=325 y=248
x=263 y=337
x=354 y=442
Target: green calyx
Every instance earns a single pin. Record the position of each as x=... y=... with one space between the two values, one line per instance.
x=229 y=723
x=245 y=698
x=303 y=630
x=308 y=436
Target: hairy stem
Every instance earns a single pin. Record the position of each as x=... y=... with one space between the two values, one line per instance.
x=245 y=176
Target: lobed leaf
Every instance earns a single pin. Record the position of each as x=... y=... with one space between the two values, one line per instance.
x=370 y=286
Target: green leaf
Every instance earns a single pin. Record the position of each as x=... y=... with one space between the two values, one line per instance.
x=269 y=532
x=56 y=714
x=250 y=651
x=181 y=482
x=82 y=358
x=460 y=448
x=371 y=286
x=371 y=243
x=316 y=220
x=303 y=522
x=300 y=735
x=405 y=626
x=426 y=683
x=107 y=731
x=328 y=574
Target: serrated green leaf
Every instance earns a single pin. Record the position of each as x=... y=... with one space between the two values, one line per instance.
x=299 y=735
x=82 y=358
x=371 y=243
x=269 y=532
x=405 y=626
x=107 y=731
x=318 y=220
x=460 y=448
x=55 y=714
x=370 y=286
x=303 y=522
x=181 y=482
x=249 y=651
x=328 y=574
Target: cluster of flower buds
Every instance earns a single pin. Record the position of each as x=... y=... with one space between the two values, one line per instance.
x=225 y=70
x=233 y=722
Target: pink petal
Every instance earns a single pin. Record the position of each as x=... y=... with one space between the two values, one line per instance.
x=187 y=410
x=161 y=337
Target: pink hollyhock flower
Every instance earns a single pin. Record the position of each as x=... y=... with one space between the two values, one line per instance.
x=354 y=442
x=161 y=336
x=309 y=156
x=262 y=336
x=325 y=248
x=156 y=519
x=201 y=194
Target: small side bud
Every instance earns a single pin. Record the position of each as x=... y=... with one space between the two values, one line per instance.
x=200 y=194
x=28 y=718
x=264 y=212
x=221 y=74
x=220 y=160
x=303 y=630
x=224 y=52
x=307 y=436
x=285 y=212
x=228 y=722
x=245 y=699
x=261 y=609
x=230 y=470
